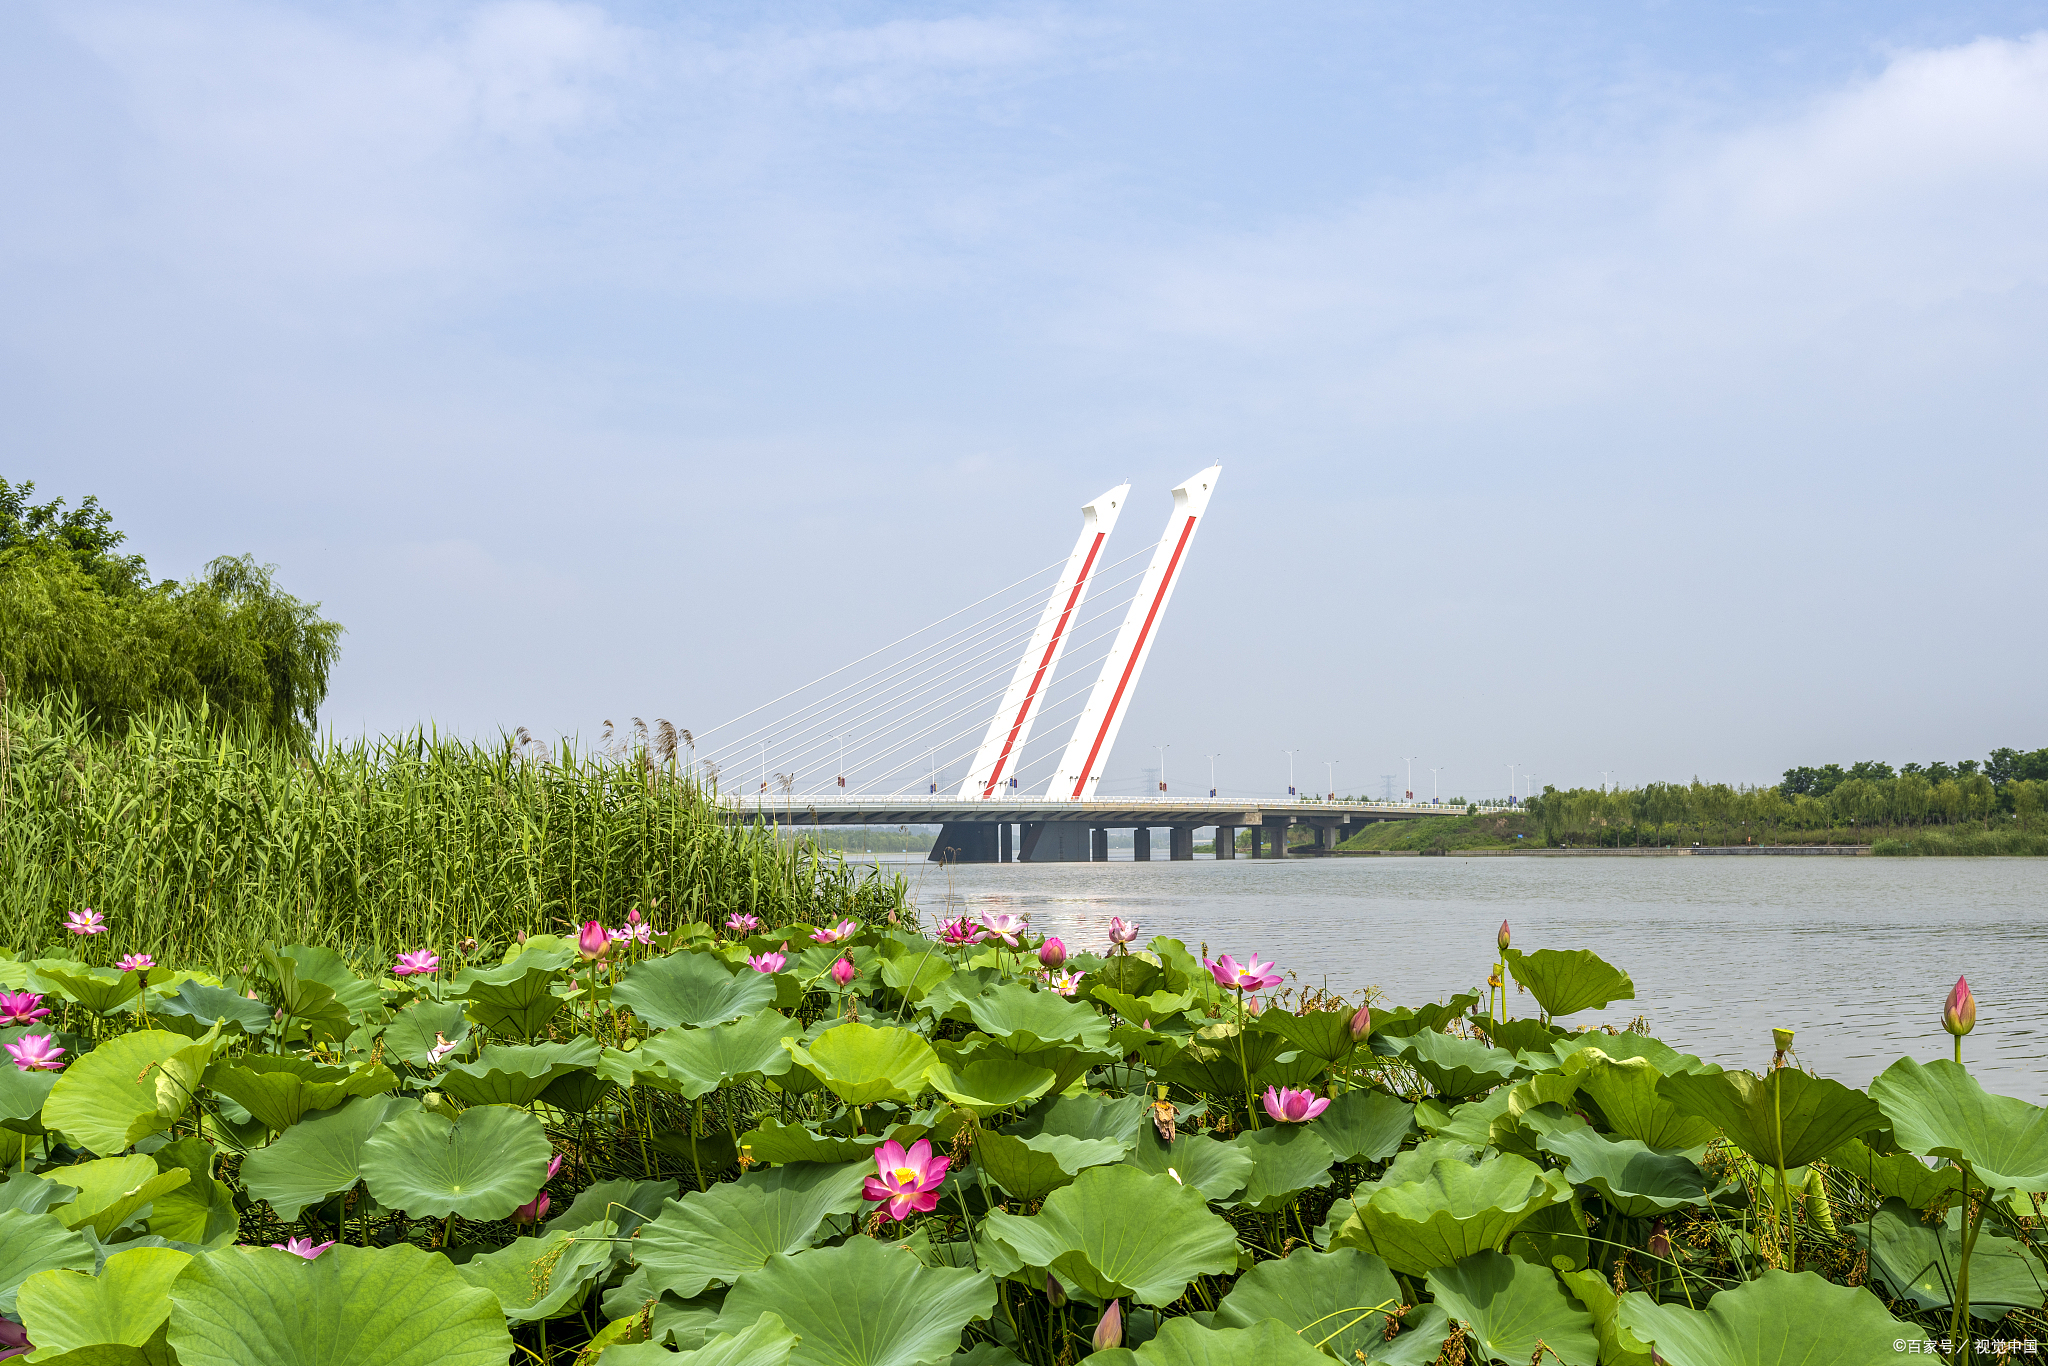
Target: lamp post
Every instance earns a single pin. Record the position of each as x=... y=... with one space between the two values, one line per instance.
x=1162 y=767
x=1410 y=789
x=1330 y=772
x=1212 y=758
x=1432 y=785
x=1511 y=784
x=1290 y=753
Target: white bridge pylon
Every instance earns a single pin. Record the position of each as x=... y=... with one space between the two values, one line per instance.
x=1010 y=728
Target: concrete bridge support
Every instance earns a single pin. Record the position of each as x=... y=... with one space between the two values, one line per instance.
x=1098 y=845
x=1276 y=835
x=1226 y=841
x=1258 y=841
x=1141 y=844
x=1180 y=843
x=1004 y=833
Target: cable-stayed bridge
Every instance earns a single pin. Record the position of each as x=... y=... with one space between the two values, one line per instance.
x=949 y=724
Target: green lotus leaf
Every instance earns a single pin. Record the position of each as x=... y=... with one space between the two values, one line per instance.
x=623 y=1203
x=1508 y=1306
x=1402 y=1021
x=1323 y=1034
x=1451 y=1212
x=1217 y=1058
x=1452 y=1066
x=125 y=1304
x=736 y=1227
x=1471 y=1122
x=1158 y=1006
x=1287 y=1159
x=33 y=1194
x=765 y=1342
x=697 y=1062
x=1920 y=1262
x=318 y=963
x=100 y=990
x=202 y=1212
x=1618 y=1346
x=777 y=1142
x=320 y=1155
x=1116 y=1232
x=1183 y=1342
x=515 y=997
x=1939 y=1109
x=1340 y=1300
x=113 y=1190
x=915 y=975
x=1527 y=1035
x=1022 y=1020
x=516 y=1074
x=1626 y=1092
x=1032 y=1168
x=547 y=1277
x=863 y=1064
x=1784 y=1120
x=483 y=1164
x=195 y=1006
x=1364 y=1126
x=694 y=989
x=100 y=1102
x=862 y=1304
x=1633 y=1179
x=1555 y=1237
x=30 y=1243
x=350 y=1306
x=1340 y=1210
x=1292 y=1068
x=1566 y=982
x=1087 y=1116
x=280 y=1090
x=1627 y=1044
x=948 y=999
x=991 y=1084
x=1899 y=1174
x=1414 y=1164
x=703 y=1155
x=1779 y=1317
x=22 y=1097
x=413 y=1034
x=1215 y=1168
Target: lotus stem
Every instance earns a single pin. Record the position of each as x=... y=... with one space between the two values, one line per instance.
x=1244 y=1065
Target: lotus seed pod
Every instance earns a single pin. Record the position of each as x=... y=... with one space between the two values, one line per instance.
x=1959 y=1013
x=1783 y=1039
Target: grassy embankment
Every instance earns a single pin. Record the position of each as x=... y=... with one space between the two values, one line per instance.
x=1499 y=831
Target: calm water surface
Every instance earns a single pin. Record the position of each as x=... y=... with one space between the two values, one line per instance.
x=1856 y=954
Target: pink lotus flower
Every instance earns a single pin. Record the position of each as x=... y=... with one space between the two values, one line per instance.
x=441 y=1049
x=843 y=971
x=1289 y=1106
x=13 y=1339
x=424 y=962
x=303 y=1247
x=1005 y=927
x=1253 y=976
x=36 y=1053
x=1959 y=1012
x=1065 y=983
x=1122 y=931
x=832 y=934
x=87 y=921
x=1109 y=1331
x=635 y=929
x=960 y=933
x=766 y=962
x=592 y=942
x=908 y=1181
x=743 y=923
x=136 y=962
x=1052 y=953
x=536 y=1209
x=21 y=1008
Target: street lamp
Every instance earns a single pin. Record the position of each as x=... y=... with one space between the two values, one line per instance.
x=1212 y=758
x=1162 y=766
x=1432 y=785
x=1330 y=772
x=1290 y=753
x=1511 y=784
x=1410 y=789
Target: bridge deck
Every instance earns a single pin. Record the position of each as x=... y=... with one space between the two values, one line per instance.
x=1113 y=813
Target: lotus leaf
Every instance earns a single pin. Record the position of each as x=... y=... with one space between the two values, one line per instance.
x=22 y=1097
x=1633 y=1179
x=1565 y=982
x=1183 y=1342
x=32 y=1194
x=1471 y=1122
x=1117 y=1232
x=125 y=1304
x=1323 y=1034
x=991 y=1084
x=863 y=1064
x=695 y=989
x=1032 y=1168
x=351 y=1306
x=1211 y=1064
x=1212 y=1166
x=765 y=1342
x=483 y=1164
x=1527 y=1035
x=113 y=1190
x=100 y=990
x=320 y=1155
x=127 y=1087
x=697 y=1062
x=737 y=1226
x=1920 y=1263
x=1337 y=1299
x=311 y=1003
x=318 y=963
x=1364 y=1126
x=1939 y=1109
x=624 y=1204
x=1339 y=1211
x=517 y=1074
x=777 y=1142
x=1413 y=1164
x=1087 y=1116
x=546 y=1277
x=1784 y=1120
x=1899 y=1174
x=1618 y=1346
x=1555 y=1237
x=195 y=1006
x=1627 y=1044
x=703 y=1155
x=1155 y=1006
x=413 y=1034
x=948 y=1000
x=278 y=1091
x=1452 y=1212
x=1450 y=1065
x=1287 y=1159
x=1023 y=1021
x=201 y=1212
x=1626 y=1092
x=862 y=1304
x=516 y=997
x=1402 y=1021
x=915 y=975
x=30 y=1243
x=1508 y=1306
x=1781 y=1316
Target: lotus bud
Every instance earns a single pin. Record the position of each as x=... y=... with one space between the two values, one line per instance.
x=1361 y=1024
x=1660 y=1240
x=1110 y=1331
x=1502 y=938
x=1052 y=953
x=1055 y=1292
x=843 y=971
x=1783 y=1039
x=1959 y=1014
x=593 y=942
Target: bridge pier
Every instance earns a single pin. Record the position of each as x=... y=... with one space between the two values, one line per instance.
x=1180 y=843
x=1003 y=832
x=1257 y=841
x=1276 y=831
x=1098 y=845
x=1141 y=844
x=1226 y=841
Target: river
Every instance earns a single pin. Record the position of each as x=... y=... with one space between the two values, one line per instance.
x=1855 y=954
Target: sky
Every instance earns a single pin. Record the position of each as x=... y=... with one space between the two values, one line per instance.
x=1641 y=390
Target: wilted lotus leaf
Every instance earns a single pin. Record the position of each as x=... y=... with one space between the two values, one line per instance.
x=516 y=1074
x=991 y=1084
x=1899 y=1174
x=545 y=1277
x=1216 y=1168
x=1508 y=1306
x=126 y=1304
x=765 y=1342
x=737 y=1226
x=694 y=989
x=279 y=1090
x=1784 y=1120
x=1634 y=1180
x=1022 y=1021
x=1287 y=1159
x=862 y=1304
x=1920 y=1262
x=1778 y=1317
x=1364 y=1126
x=100 y=990
x=195 y=1006
x=1116 y=1232
x=113 y=1190
x=320 y=1155
x=1326 y=1298
x=1939 y=1109
x=1032 y=1168
x=36 y=1242
x=1566 y=982
x=418 y=1029
x=350 y=1306
x=127 y=1087
x=483 y=1164
x=1183 y=1342
x=863 y=1064
x=1451 y=1066
x=515 y=997
x=1451 y=1212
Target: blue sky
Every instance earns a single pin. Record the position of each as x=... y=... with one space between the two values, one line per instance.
x=1644 y=388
